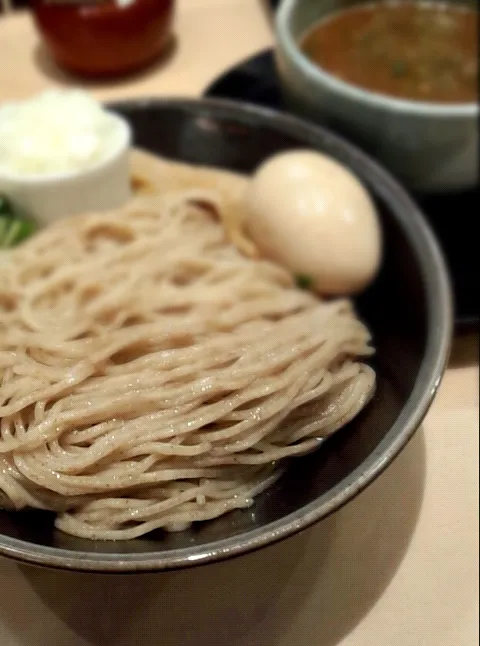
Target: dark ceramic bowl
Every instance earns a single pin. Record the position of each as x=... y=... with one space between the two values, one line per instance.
x=408 y=310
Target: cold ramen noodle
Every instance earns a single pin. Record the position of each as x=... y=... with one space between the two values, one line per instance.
x=153 y=375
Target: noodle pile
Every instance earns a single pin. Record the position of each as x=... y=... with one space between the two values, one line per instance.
x=152 y=376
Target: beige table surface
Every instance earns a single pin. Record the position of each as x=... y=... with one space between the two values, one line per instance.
x=396 y=567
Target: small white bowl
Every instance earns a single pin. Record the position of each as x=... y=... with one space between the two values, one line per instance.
x=47 y=198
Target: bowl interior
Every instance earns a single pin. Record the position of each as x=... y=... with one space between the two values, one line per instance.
x=398 y=308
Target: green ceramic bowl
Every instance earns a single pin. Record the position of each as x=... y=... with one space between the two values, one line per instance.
x=432 y=147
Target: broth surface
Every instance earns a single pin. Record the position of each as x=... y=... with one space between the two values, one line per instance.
x=419 y=51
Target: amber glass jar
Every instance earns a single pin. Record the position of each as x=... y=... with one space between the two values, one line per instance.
x=99 y=38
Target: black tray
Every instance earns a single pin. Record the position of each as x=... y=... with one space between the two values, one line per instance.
x=451 y=216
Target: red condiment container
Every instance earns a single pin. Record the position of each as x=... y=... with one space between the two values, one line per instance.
x=99 y=38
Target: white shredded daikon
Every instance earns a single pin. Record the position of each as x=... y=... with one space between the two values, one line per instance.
x=58 y=131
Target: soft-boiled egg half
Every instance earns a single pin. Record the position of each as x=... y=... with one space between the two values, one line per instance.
x=310 y=214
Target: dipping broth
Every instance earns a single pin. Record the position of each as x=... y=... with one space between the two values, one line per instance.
x=418 y=51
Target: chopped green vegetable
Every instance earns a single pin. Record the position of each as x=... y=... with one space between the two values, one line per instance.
x=6 y=208
x=13 y=231
x=304 y=282
x=399 y=68
x=14 y=227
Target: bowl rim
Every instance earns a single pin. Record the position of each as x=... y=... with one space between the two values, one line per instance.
x=319 y=76
x=439 y=333
x=46 y=179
